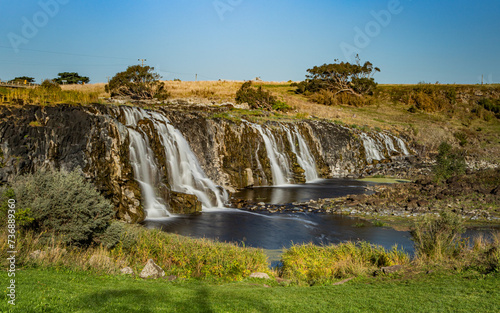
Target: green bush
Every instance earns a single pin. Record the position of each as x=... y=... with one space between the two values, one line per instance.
x=449 y=162
x=257 y=98
x=50 y=85
x=63 y=203
x=439 y=238
x=281 y=106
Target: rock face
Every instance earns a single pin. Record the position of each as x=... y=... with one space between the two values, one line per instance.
x=259 y=275
x=181 y=203
x=151 y=270
x=231 y=153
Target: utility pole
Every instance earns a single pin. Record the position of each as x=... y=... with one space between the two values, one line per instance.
x=142 y=61
x=482 y=78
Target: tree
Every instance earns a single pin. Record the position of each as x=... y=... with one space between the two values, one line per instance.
x=137 y=82
x=71 y=78
x=255 y=97
x=22 y=79
x=341 y=77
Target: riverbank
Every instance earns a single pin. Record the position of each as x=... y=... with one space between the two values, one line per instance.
x=475 y=197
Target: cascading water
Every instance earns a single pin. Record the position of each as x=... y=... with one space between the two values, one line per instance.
x=402 y=146
x=304 y=156
x=371 y=148
x=146 y=171
x=389 y=144
x=185 y=173
x=184 y=170
x=280 y=167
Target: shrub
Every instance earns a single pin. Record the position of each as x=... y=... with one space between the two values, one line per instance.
x=63 y=203
x=449 y=162
x=137 y=82
x=438 y=238
x=257 y=98
x=281 y=106
x=50 y=85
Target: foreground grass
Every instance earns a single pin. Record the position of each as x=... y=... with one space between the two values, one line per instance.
x=59 y=291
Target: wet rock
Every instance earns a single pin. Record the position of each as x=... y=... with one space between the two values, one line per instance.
x=181 y=203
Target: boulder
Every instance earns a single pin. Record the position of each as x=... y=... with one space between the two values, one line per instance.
x=259 y=275
x=151 y=270
x=181 y=203
x=127 y=271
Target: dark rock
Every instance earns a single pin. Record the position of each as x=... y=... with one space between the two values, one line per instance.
x=181 y=203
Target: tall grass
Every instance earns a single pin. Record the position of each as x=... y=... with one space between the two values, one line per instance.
x=312 y=264
x=177 y=255
x=41 y=96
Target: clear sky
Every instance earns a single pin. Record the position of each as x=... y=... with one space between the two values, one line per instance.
x=450 y=41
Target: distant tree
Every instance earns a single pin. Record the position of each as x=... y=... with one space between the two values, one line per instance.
x=71 y=78
x=137 y=82
x=22 y=79
x=341 y=77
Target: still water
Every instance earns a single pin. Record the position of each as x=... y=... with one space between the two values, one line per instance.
x=277 y=231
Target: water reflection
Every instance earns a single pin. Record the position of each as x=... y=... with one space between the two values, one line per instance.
x=326 y=188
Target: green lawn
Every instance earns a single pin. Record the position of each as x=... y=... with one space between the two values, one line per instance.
x=59 y=291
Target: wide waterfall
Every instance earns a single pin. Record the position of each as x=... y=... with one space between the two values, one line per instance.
x=184 y=171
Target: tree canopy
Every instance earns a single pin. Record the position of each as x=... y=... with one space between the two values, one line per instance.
x=340 y=77
x=137 y=82
x=22 y=79
x=71 y=78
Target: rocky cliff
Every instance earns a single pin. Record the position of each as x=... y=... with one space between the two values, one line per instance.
x=147 y=160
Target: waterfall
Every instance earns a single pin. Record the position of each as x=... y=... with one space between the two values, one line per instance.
x=389 y=143
x=280 y=168
x=371 y=148
x=184 y=171
x=402 y=146
x=304 y=156
x=146 y=172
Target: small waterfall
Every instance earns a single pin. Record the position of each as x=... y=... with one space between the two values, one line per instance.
x=280 y=168
x=184 y=171
x=389 y=144
x=304 y=156
x=146 y=171
x=371 y=148
x=402 y=146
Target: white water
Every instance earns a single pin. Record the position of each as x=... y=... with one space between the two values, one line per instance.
x=402 y=146
x=184 y=171
x=280 y=168
x=389 y=144
x=371 y=148
x=304 y=156
x=145 y=169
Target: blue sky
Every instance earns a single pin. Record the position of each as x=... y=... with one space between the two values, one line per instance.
x=410 y=41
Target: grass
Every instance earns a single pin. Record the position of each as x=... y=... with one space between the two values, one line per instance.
x=177 y=255
x=49 y=290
